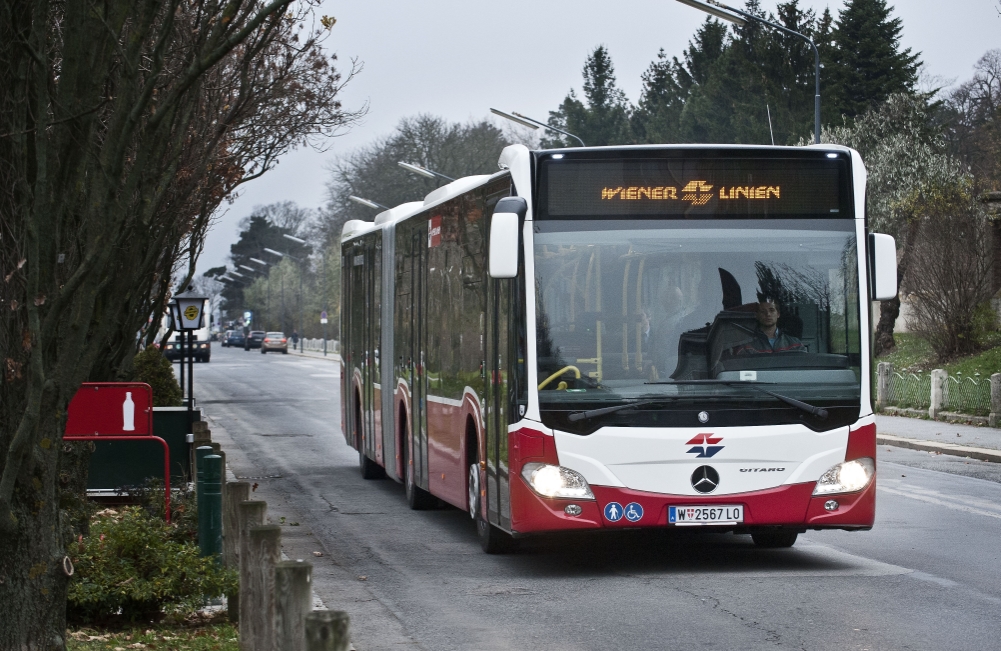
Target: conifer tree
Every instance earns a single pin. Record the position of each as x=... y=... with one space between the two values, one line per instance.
x=868 y=64
x=602 y=118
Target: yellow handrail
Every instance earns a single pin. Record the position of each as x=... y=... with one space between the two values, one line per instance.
x=559 y=373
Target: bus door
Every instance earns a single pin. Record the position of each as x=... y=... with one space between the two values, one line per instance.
x=497 y=319
x=369 y=371
x=418 y=375
x=356 y=307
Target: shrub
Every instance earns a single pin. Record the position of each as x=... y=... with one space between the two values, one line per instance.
x=130 y=568
x=183 y=507
x=151 y=367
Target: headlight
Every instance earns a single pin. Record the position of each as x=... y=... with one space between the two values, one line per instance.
x=847 y=477
x=556 y=481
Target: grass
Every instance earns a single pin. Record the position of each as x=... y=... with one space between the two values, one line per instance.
x=914 y=354
x=212 y=637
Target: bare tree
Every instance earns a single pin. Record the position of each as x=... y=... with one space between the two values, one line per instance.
x=122 y=128
x=950 y=269
x=372 y=172
x=973 y=112
x=903 y=152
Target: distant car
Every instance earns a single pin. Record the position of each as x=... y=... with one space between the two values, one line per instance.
x=224 y=338
x=254 y=339
x=234 y=338
x=201 y=350
x=275 y=341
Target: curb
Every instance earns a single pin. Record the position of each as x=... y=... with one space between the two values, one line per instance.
x=981 y=454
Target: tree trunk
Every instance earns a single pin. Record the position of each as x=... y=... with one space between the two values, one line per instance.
x=883 y=341
x=33 y=581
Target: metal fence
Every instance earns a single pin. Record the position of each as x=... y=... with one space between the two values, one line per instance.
x=969 y=395
x=910 y=390
x=936 y=391
x=316 y=345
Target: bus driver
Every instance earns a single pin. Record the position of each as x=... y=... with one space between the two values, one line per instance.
x=767 y=336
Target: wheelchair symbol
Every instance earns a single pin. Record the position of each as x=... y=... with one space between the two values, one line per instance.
x=633 y=512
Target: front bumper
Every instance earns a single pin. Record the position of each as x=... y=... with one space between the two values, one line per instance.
x=791 y=506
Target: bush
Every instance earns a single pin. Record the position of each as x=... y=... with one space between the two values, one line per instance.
x=151 y=367
x=183 y=507
x=128 y=567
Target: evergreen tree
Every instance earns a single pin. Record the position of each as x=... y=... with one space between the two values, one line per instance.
x=603 y=117
x=868 y=64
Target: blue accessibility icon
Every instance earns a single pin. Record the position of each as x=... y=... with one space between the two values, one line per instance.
x=633 y=512
x=613 y=511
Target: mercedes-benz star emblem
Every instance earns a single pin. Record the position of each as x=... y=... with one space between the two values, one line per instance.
x=705 y=479
x=703 y=416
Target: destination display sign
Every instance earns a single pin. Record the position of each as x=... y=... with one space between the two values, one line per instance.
x=694 y=187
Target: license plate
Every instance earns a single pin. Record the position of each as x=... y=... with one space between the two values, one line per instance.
x=700 y=515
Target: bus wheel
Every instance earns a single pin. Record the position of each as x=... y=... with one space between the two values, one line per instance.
x=418 y=499
x=492 y=539
x=369 y=469
x=775 y=539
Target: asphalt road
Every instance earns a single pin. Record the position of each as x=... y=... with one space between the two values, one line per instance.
x=926 y=577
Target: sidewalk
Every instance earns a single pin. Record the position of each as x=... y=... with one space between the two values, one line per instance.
x=982 y=443
x=331 y=355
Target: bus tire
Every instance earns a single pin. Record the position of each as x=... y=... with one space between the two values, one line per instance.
x=776 y=539
x=369 y=469
x=492 y=539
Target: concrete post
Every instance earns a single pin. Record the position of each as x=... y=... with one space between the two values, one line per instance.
x=233 y=493
x=264 y=552
x=939 y=392
x=293 y=601
x=251 y=515
x=327 y=630
x=884 y=371
x=995 y=416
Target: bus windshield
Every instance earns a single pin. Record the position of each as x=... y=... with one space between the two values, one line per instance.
x=691 y=315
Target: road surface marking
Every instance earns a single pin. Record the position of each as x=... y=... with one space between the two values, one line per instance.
x=940 y=502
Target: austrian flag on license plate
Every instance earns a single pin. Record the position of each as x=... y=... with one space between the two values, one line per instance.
x=696 y=515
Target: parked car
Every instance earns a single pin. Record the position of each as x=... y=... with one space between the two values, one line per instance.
x=234 y=338
x=254 y=339
x=201 y=350
x=275 y=341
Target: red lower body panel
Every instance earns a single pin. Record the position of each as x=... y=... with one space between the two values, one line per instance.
x=790 y=506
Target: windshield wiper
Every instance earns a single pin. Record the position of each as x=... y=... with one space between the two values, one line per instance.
x=591 y=413
x=813 y=410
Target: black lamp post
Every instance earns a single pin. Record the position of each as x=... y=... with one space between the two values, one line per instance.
x=189 y=308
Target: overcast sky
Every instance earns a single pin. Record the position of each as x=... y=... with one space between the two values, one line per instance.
x=458 y=58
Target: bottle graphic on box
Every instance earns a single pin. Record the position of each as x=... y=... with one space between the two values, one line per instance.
x=128 y=413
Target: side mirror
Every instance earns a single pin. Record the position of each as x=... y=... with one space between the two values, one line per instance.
x=883 y=264
x=503 y=253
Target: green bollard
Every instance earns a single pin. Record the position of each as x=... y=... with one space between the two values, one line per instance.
x=210 y=507
x=200 y=454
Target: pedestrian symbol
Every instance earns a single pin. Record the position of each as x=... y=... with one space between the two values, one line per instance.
x=613 y=511
x=633 y=512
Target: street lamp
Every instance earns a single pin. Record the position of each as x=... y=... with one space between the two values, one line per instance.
x=250 y=269
x=368 y=203
x=531 y=123
x=260 y=262
x=236 y=273
x=302 y=307
x=189 y=311
x=740 y=18
x=423 y=171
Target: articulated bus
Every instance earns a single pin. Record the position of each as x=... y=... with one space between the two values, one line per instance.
x=623 y=337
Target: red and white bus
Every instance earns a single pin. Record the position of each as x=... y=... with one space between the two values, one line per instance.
x=623 y=337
